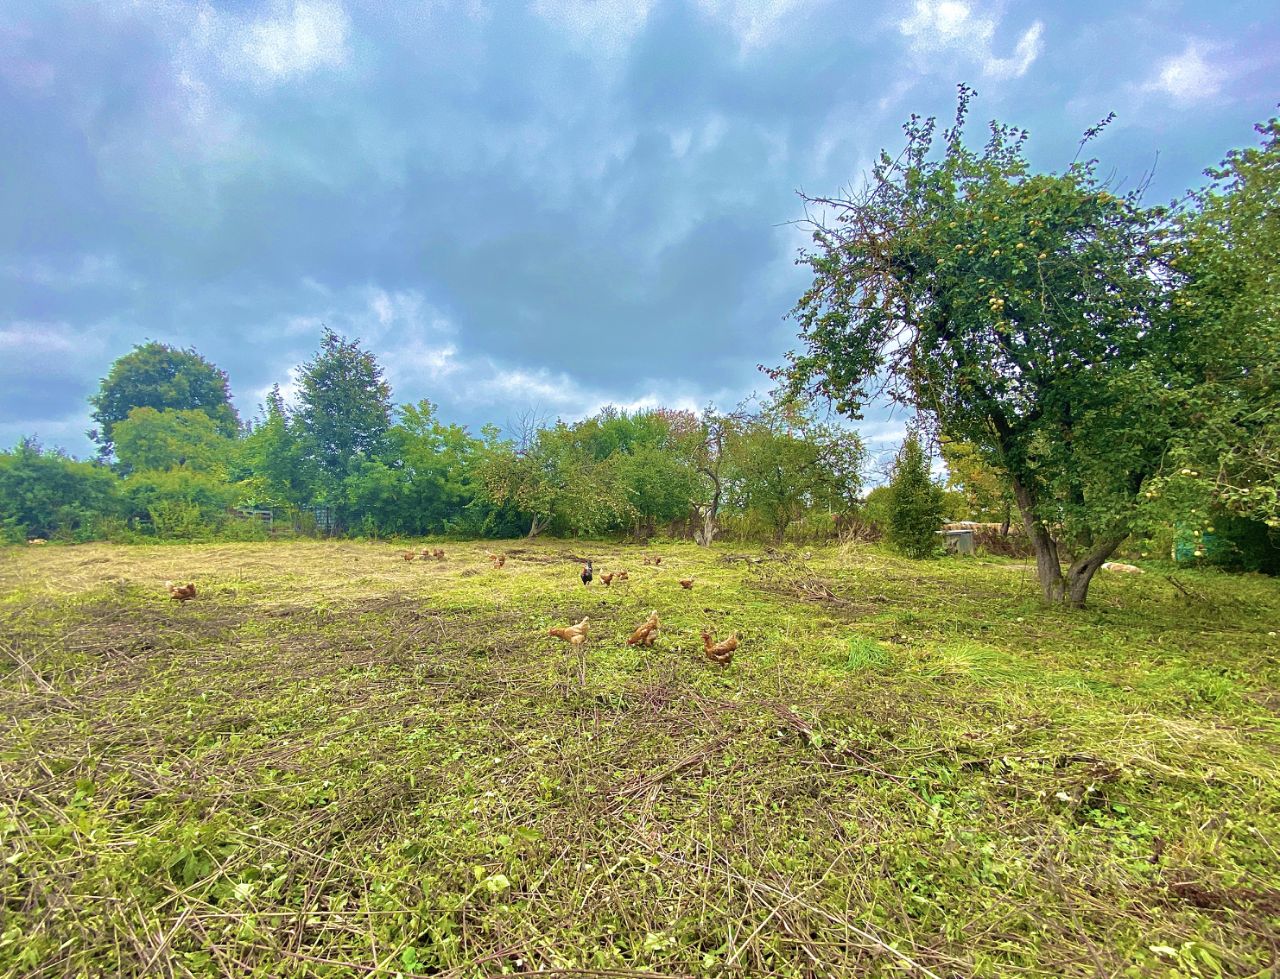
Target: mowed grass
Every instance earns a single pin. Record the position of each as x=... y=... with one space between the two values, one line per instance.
x=334 y=763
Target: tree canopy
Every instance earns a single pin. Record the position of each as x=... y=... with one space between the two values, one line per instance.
x=344 y=409
x=1229 y=309
x=170 y=439
x=1025 y=313
x=156 y=375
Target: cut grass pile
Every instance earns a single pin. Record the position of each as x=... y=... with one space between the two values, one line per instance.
x=334 y=763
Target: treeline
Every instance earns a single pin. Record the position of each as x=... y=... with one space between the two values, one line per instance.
x=1099 y=373
x=177 y=462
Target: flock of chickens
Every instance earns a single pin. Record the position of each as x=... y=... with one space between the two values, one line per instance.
x=720 y=653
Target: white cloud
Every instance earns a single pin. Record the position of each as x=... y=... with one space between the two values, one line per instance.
x=938 y=26
x=1188 y=77
x=1024 y=54
x=300 y=39
x=555 y=393
x=48 y=346
x=945 y=23
x=85 y=271
x=754 y=22
x=603 y=26
x=30 y=340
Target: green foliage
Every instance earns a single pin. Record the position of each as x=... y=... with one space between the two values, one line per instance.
x=180 y=504
x=271 y=459
x=1026 y=313
x=1229 y=311
x=170 y=439
x=985 y=491
x=424 y=479
x=783 y=463
x=915 y=502
x=46 y=494
x=344 y=411
x=155 y=375
x=608 y=473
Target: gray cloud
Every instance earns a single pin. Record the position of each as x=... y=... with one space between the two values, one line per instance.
x=548 y=206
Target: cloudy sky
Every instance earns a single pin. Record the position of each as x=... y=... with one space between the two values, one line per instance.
x=543 y=205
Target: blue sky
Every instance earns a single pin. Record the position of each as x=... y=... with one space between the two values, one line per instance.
x=547 y=205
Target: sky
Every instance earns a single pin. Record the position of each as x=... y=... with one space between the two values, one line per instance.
x=542 y=206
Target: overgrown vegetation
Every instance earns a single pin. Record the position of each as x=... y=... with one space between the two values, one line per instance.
x=334 y=762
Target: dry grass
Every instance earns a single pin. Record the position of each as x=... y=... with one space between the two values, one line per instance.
x=334 y=763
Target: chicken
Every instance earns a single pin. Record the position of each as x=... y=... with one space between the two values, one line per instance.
x=408 y=555
x=623 y=576
x=438 y=554
x=720 y=653
x=426 y=553
x=606 y=578
x=575 y=635
x=655 y=560
x=686 y=583
x=181 y=593
x=37 y=540
x=587 y=573
x=499 y=561
x=1122 y=568
x=646 y=632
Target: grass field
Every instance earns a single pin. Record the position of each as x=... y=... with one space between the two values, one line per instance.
x=334 y=763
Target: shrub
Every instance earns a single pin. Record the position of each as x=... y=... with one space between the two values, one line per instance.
x=915 y=502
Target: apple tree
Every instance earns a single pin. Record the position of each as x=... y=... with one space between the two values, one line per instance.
x=1025 y=313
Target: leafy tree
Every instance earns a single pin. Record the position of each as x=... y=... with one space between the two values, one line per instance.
x=876 y=508
x=156 y=375
x=1025 y=313
x=612 y=472
x=710 y=462
x=1229 y=250
x=915 y=502
x=520 y=480
x=44 y=493
x=180 y=503
x=985 y=490
x=170 y=439
x=425 y=478
x=271 y=461
x=345 y=409
x=786 y=463
x=651 y=464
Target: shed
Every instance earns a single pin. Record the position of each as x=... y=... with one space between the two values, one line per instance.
x=959 y=541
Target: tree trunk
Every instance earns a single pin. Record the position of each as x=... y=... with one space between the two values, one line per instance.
x=705 y=534
x=536 y=527
x=1072 y=588
x=707 y=512
x=1048 y=567
x=1008 y=518
x=1081 y=572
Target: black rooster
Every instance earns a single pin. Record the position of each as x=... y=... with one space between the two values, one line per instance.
x=587 y=574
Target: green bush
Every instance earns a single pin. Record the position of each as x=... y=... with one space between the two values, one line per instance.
x=915 y=502
x=47 y=494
